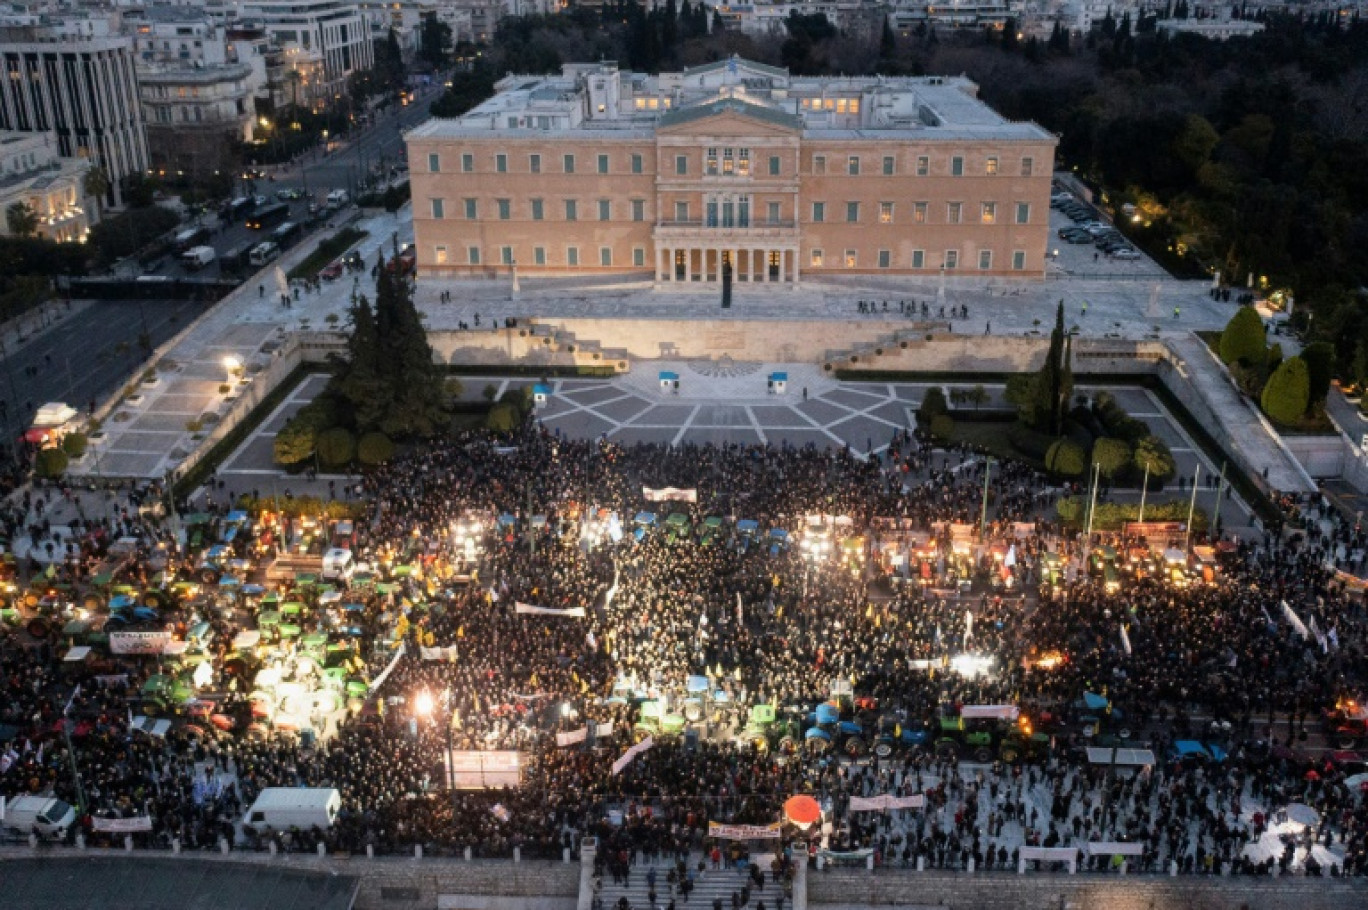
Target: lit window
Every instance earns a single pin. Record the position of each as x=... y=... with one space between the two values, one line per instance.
x=923 y=166
x=919 y=213
x=989 y=213
x=885 y=213
x=850 y=259
x=816 y=259
x=440 y=255
x=991 y=167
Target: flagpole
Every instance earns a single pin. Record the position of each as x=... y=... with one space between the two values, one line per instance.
x=1192 y=507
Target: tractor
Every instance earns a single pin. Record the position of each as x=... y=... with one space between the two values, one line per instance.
x=765 y=730
x=985 y=733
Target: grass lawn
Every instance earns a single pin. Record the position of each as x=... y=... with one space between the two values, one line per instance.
x=990 y=437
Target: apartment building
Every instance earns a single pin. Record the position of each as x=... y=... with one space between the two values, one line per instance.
x=730 y=166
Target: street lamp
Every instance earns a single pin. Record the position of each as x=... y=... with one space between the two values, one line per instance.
x=233 y=365
x=422 y=704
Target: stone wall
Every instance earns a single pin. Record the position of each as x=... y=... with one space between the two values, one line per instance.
x=1322 y=456
x=1039 y=891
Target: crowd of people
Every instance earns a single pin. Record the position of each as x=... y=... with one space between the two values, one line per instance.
x=620 y=617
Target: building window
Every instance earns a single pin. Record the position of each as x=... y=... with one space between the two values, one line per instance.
x=985 y=260
x=681 y=212
x=710 y=163
x=957 y=166
x=819 y=164
x=605 y=208
x=636 y=164
x=505 y=209
x=1023 y=213
x=853 y=166
x=884 y=259
x=852 y=212
x=888 y=165
x=885 y=213
x=743 y=162
x=506 y=255
x=638 y=209
x=818 y=212
x=1018 y=260
x=953 y=212
x=501 y=163
x=773 y=212
x=534 y=163
x=473 y=255
x=638 y=257
x=434 y=163
x=851 y=259
x=472 y=209
x=710 y=213
x=681 y=164
x=923 y=166
x=603 y=164
x=539 y=255
x=919 y=213
x=951 y=259
x=568 y=163
x=538 y=212
x=605 y=255
x=572 y=255
x=988 y=214
x=440 y=255
x=571 y=210
x=990 y=167
x=467 y=163
x=816 y=259
x=1027 y=167
x=774 y=166
x=438 y=209
x=919 y=259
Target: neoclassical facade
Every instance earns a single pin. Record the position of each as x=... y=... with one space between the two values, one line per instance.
x=733 y=165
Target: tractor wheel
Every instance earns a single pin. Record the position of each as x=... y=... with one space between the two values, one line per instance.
x=1009 y=754
x=947 y=749
x=983 y=755
x=788 y=745
x=855 y=747
x=38 y=628
x=883 y=749
x=816 y=746
x=1343 y=741
x=154 y=599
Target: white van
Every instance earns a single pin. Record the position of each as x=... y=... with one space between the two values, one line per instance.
x=50 y=818
x=197 y=257
x=263 y=253
x=337 y=199
x=338 y=565
x=283 y=808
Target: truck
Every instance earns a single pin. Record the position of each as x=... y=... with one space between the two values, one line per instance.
x=263 y=253
x=48 y=817
x=190 y=238
x=197 y=257
x=337 y=199
x=283 y=808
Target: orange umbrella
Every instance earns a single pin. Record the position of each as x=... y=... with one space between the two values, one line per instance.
x=802 y=810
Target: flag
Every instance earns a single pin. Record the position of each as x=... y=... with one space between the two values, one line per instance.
x=1011 y=556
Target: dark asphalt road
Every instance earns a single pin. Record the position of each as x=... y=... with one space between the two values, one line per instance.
x=86 y=357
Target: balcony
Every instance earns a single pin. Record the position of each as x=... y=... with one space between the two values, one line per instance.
x=701 y=231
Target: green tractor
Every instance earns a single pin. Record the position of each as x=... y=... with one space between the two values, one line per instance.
x=163 y=694
x=765 y=730
x=986 y=733
x=653 y=722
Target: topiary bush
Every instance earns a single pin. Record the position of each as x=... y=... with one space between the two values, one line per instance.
x=1029 y=442
x=1243 y=340
x=1112 y=457
x=942 y=426
x=1320 y=368
x=74 y=444
x=1065 y=458
x=502 y=417
x=1154 y=453
x=374 y=449
x=51 y=462
x=1288 y=392
x=336 y=447
x=932 y=405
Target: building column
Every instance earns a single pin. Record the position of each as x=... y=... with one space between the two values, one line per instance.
x=659 y=257
x=796 y=253
x=688 y=264
x=782 y=256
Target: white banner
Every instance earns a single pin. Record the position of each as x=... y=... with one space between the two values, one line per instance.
x=1297 y=625
x=626 y=758
x=604 y=730
x=138 y=642
x=1113 y=848
x=1125 y=638
x=742 y=832
x=389 y=668
x=572 y=737
x=475 y=770
x=669 y=494
x=885 y=801
x=529 y=609
x=448 y=654
x=122 y=825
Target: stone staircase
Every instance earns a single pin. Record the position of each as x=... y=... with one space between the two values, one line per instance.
x=583 y=352
x=712 y=885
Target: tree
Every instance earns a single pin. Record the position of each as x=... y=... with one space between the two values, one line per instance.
x=1010 y=38
x=502 y=418
x=336 y=447
x=295 y=442
x=51 y=462
x=888 y=42
x=1153 y=453
x=21 y=220
x=374 y=449
x=434 y=41
x=942 y=426
x=1288 y=391
x=74 y=444
x=413 y=379
x=978 y=396
x=1065 y=458
x=361 y=382
x=1112 y=456
x=1044 y=400
x=1320 y=368
x=96 y=187
x=1242 y=340
x=933 y=405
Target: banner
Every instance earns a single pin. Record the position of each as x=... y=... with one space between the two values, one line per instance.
x=122 y=825
x=475 y=770
x=626 y=758
x=1113 y=848
x=528 y=609
x=1297 y=625
x=389 y=667
x=742 y=832
x=603 y=730
x=572 y=737
x=669 y=494
x=885 y=801
x=448 y=654
x=1125 y=638
x=138 y=642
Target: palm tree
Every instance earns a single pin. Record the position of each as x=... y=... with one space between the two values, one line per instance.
x=21 y=219
x=294 y=77
x=96 y=186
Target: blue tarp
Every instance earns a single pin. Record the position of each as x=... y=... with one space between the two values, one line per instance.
x=747 y=526
x=645 y=519
x=666 y=374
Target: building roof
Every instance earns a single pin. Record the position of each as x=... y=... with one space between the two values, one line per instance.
x=732 y=106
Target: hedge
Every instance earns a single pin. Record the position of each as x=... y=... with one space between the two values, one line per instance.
x=1110 y=516
x=297 y=506
x=374 y=449
x=74 y=444
x=51 y=462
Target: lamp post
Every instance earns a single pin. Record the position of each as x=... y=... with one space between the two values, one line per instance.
x=983 y=513
x=1144 y=488
x=1192 y=507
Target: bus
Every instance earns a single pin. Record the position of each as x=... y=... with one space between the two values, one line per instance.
x=268 y=216
x=287 y=233
x=263 y=253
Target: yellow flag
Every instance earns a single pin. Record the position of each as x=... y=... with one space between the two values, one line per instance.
x=460 y=633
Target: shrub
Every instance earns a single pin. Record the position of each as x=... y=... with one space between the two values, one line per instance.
x=502 y=417
x=1111 y=516
x=1320 y=368
x=1112 y=456
x=491 y=391
x=374 y=449
x=1154 y=452
x=1065 y=458
x=932 y=404
x=941 y=427
x=1243 y=340
x=336 y=447
x=1288 y=392
x=1029 y=442
x=51 y=462
x=1116 y=421
x=74 y=444
x=296 y=441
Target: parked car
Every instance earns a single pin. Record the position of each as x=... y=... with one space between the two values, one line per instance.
x=1125 y=253
x=331 y=271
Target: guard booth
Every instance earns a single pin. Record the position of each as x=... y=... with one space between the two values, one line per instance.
x=541 y=394
x=669 y=382
x=778 y=383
